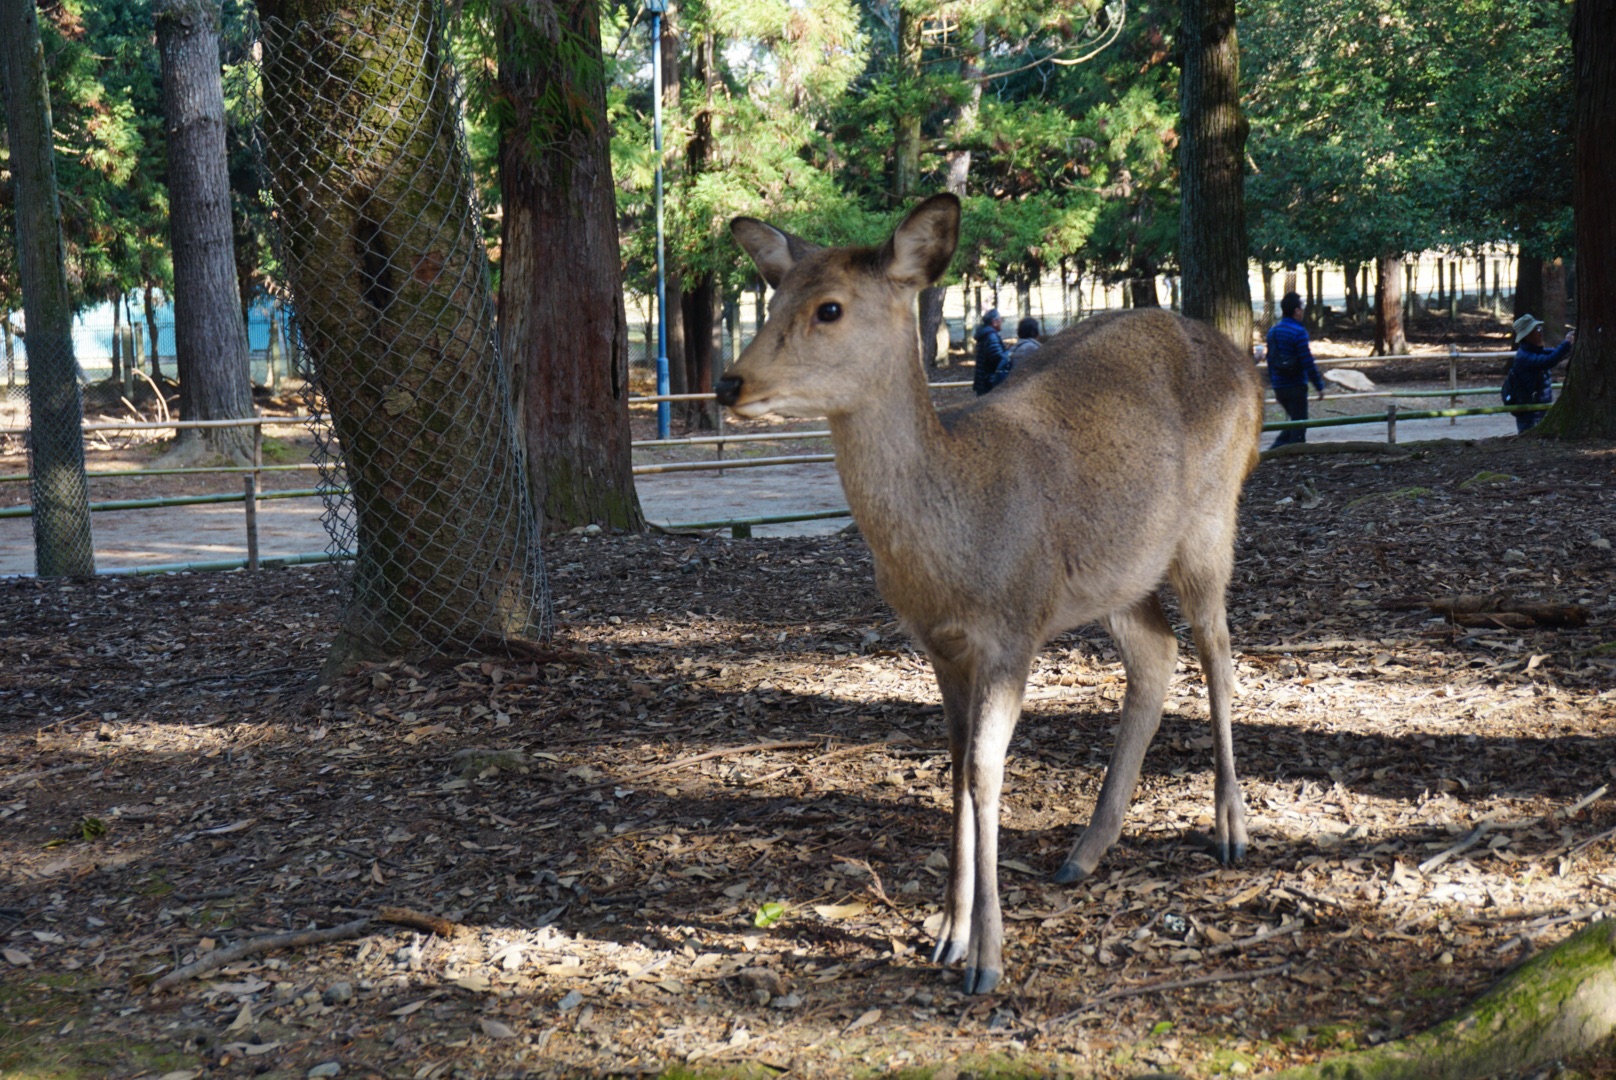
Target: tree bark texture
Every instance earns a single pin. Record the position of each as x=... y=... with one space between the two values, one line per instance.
x=60 y=491
x=700 y=296
x=1554 y=299
x=1389 y=337
x=210 y=339
x=959 y=175
x=1212 y=210
x=1560 y=1003
x=1528 y=286
x=390 y=289
x=563 y=319
x=1587 y=408
x=151 y=333
x=906 y=122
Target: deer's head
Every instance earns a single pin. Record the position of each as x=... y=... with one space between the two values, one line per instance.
x=842 y=320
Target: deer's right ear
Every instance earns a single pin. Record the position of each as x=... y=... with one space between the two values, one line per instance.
x=774 y=251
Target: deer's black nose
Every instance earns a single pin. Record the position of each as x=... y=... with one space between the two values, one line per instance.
x=728 y=390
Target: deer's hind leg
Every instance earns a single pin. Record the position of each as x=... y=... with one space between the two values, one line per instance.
x=1200 y=576
x=1149 y=652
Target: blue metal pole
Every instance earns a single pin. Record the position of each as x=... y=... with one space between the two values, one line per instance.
x=662 y=411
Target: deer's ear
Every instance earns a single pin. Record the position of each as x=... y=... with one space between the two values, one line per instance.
x=773 y=250
x=919 y=251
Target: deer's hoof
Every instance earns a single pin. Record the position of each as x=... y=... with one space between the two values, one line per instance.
x=1070 y=872
x=1229 y=854
x=948 y=952
x=980 y=980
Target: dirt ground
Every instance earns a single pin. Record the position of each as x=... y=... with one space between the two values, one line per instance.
x=725 y=725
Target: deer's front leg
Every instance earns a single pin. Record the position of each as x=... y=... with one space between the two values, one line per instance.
x=996 y=703
x=954 y=935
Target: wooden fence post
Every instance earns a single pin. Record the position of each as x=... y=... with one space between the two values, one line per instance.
x=1391 y=423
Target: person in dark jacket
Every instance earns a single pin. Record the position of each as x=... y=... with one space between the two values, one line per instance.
x=992 y=358
x=1291 y=368
x=1530 y=379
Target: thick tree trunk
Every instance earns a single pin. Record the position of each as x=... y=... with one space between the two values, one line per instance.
x=391 y=292
x=1587 y=408
x=1212 y=208
x=1554 y=299
x=60 y=491
x=1558 y=1004
x=1528 y=285
x=565 y=329
x=210 y=338
x=699 y=326
x=1349 y=277
x=1142 y=293
x=1389 y=336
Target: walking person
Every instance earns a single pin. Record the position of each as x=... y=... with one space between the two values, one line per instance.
x=1291 y=368
x=1530 y=380
x=992 y=358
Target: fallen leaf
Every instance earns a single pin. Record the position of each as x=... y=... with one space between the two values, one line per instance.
x=863 y=1021
x=840 y=911
x=17 y=957
x=413 y=1006
x=494 y=1029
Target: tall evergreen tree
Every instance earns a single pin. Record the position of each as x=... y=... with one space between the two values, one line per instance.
x=210 y=337
x=562 y=320
x=1212 y=250
x=1588 y=405
x=62 y=542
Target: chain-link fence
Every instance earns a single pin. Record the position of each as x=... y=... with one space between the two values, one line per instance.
x=51 y=411
x=393 y=327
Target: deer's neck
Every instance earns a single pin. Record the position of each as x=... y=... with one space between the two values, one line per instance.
x=892 y=453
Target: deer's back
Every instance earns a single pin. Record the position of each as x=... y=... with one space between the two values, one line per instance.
x=1100 y=454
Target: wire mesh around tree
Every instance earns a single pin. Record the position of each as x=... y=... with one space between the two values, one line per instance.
x=392 y=321
x=63 y=546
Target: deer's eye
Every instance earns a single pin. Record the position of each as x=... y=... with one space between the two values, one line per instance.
x=828 y=312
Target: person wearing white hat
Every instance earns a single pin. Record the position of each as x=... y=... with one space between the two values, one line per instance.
x=1530 y=381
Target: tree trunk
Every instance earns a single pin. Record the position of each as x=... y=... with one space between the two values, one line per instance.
x=1349 y=278
x=1142 y=293
x=700 y=298
x=959 y=175
x=565 y=329
x=1554 y=299
x=272 y=350
x=1558 y=1004
x=60 y=491
x=1389 y=337
x=1212 y=210
x=210 y=339
x=1528 y=285
x=1587 y=408
x=906 y=120
x=391 y=292
x=117 y=341
x=151 y=332
x=699 y=327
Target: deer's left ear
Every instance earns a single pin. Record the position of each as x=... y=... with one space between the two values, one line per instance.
x=919 y=251
x=775 y=251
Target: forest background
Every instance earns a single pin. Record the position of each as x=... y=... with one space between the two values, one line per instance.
x=1377 y=129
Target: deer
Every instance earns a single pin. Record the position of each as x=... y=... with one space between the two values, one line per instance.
x=1110 y=460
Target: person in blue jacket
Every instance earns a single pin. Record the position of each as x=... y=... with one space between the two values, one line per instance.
x=1291 y=368
x=1530 y=379
x=992 y=358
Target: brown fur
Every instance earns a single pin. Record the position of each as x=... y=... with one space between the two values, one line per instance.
x=1109 y=460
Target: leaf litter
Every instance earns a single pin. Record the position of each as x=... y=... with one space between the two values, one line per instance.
x=709 y=824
